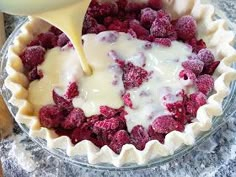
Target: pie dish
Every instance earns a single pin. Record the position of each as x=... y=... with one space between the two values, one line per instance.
x=18 y=84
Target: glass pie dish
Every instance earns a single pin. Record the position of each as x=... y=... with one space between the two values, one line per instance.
x=82 y=160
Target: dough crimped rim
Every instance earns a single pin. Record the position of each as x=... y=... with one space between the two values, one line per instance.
x=218 y=39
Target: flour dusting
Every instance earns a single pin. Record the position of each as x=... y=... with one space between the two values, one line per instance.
x=22 y=156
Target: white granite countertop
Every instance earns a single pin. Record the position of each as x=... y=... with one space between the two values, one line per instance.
x=216 y=157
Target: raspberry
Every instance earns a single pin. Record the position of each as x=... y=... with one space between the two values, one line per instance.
x=107 y=20
x=187 y=77
x=106 y=125
x=155 y=4
x=206 y=56
x=139 y=137
x=195 y=65
x=115 y=57
x=131 y=16
x=50 y=116
x=138 y=29
x=161 y=27
x=135 y=7
x=55 y=30
x=120 y=138
x=133 y=76
x=62 y=102
x=195 y=101
x=132 y=33
x=34 y=74
x=107 y=9
x=62 y=40
x=74 y=119
x=100 y=28
x=163 y=41
x=47 y=40
x=197 y=45
x=205 y=84
x=186 y=27
x=119 y=26
x=85 y=132
x=166 y=124
x=177 y=109
x=32 y=56
x=155 y=136
x=211 y=68
x=127 y=100
x=199 y=98
x=89 y=22
x=108 y=112
x=148 y=16
x=72 y=91
x=122 y=4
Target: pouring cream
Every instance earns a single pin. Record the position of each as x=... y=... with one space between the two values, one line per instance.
x=66 y=15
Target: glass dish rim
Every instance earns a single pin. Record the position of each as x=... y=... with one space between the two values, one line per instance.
x=217 y=123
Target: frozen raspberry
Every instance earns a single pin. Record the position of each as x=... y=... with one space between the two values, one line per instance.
x=89 y=22
x=131 y=16
x=72 y=91
x=62 y=102
x=148 y=16
x=155 y=136
x=55 y=30
x=197 y=45
x=107 y=20
x=166 y=124
x=177 y=109
x=132 y=33
x=187 y=77
x=120 y=138
x=108 y=112
x=32 y=56
x=118 y=26
x=163 y=41
x=47 y=40
x=84 y=132
x=186 y=27
x=115 y=57
x=50 y=116
x=35 y=74
x=195 y=65
x=133 y=76
x=122 y=4
x=138 y=29
x=195 y=101
x=127 y=100
x=155 y=4
x=205 y=83
x=139 y=137
x=206 y=56
x=100 y=28
x=62 y=40
x=106 y=125
x=161 y=27
x=108 y=8
x=211 y=68
x=135 y=7
x=74 y=119
x=93 y=9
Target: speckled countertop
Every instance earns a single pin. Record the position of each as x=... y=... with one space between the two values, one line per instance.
x=214 y=158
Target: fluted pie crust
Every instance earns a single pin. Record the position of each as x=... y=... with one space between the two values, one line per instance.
x=217 y=38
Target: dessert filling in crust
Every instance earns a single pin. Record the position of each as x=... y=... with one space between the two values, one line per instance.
x=160 y=73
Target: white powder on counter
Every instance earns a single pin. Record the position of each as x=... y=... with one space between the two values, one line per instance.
x=22 y=156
